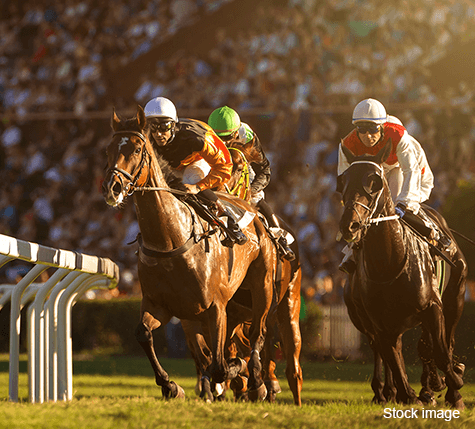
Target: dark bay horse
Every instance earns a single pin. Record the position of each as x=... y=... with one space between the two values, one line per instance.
x=284 y=312
x=183 y=270
x=394 y=287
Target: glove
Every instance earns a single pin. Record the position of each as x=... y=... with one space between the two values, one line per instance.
x=400 y=210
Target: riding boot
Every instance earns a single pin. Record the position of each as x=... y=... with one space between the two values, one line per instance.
x=235 y=235
x=442 y=241
x=284 y=248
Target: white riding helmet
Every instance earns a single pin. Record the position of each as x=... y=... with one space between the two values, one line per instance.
x=160 y=107
x=370 y=110
x=394 y=120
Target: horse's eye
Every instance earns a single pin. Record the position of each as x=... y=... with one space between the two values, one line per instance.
x=138 y=150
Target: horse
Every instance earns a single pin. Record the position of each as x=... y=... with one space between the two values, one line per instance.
x=183 y=268
x=285 y=311
x=394 y=287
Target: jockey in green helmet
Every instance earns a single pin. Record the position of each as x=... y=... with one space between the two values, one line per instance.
x=227 y=124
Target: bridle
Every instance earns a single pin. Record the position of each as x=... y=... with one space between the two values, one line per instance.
x=135 y=175
x=377 y=204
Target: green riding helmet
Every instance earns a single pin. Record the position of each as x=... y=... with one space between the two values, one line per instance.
x=224 y=121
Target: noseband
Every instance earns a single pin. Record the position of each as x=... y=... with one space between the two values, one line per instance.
x=134 y=176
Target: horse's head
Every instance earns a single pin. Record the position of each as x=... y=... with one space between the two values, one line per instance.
x=364 y=190
x=128 y=158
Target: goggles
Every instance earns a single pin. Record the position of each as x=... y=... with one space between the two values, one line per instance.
x=372 y=129
x=229 y=137
x=163 y=127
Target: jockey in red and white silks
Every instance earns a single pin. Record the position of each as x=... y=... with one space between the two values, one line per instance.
x=407 y=170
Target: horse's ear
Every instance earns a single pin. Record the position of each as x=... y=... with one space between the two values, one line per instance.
x=115 y=121
x=350 y=156
x=141 y=119
x=383 y=154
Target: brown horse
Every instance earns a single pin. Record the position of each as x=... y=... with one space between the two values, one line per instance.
x=394 y=286
x=285 y=311
x=185 y=271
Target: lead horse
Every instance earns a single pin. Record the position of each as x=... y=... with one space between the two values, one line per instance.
x=394 y=287
x=184 y=270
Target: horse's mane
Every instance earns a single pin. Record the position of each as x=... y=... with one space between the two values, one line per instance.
x=169 y=174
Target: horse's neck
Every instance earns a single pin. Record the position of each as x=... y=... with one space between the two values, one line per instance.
x=384 y=246
x=163 y=219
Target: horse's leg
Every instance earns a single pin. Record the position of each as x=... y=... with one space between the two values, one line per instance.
x=288 y=313
x=239 y=383
x=143 y=334
x=430 y=378
x=434 y=320
x=453 y=301
x=217 y=320
x=261 y=302
x=391 y=351
x=201 y=355
x=389 y=389
x=377 y=381
x=268 y=362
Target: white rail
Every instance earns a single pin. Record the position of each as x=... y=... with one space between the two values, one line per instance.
x=49 y=315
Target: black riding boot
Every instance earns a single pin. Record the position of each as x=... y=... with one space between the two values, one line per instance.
x=235 y=235
x=428 y=228
x=276 y=230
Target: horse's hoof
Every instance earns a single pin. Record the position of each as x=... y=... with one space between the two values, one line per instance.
x=273 y=386
x=458 y=405
x=459 y=369
x=258 y=394
x=239 y=384
x=175 y=392
x=427 y=399
x=379 y=401
x=219 y=389
x=206 y=393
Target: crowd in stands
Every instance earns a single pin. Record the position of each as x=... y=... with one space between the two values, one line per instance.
x=296 y=61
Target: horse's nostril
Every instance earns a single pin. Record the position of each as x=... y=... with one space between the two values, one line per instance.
x=354 y=226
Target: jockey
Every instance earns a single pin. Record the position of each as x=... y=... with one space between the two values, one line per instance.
x=408 y=173
x=192 y=147
x=227 y=124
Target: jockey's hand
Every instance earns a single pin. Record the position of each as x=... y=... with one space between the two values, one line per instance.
x=400 y=209
x=192 y=189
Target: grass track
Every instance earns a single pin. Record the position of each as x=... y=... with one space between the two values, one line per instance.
x=120 y=393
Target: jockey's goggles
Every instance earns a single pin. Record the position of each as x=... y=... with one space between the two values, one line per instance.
x=163 y=127
x=372 y=129
x=229 y=137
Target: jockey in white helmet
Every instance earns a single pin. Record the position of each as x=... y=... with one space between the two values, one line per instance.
x=192 y=147
x=408 y=173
